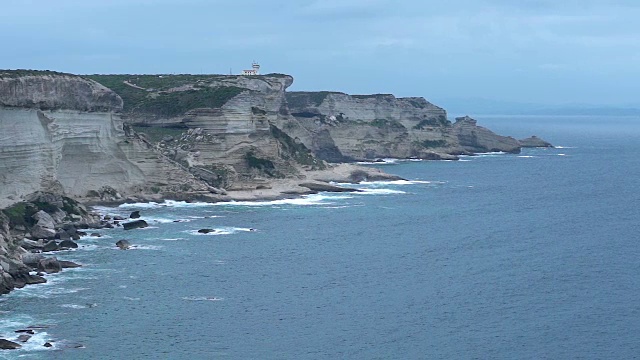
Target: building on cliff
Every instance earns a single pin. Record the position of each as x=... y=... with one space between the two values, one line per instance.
x=254 y=71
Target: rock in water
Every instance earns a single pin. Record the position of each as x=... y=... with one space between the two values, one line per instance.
x=135 y=215
x=123 y=244
x=206 y=231
x=47 y=344
x=24 y=338
x=49 y=265
x=9 y=345
x=51 y=246
x=68 y=264
x=135 y=225
x=534 y=141
x=68 y=244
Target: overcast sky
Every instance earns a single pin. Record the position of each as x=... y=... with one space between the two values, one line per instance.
x=541 y=51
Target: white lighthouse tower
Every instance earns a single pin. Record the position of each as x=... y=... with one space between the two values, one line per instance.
x=255 y=69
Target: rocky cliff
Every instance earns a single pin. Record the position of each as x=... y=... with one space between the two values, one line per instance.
x=341 y=127
x=222 y=128
x=64 y=134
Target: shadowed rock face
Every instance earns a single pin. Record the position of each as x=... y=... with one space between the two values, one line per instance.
x=477 y=139
x=534 y=141
x=55 y=91
x=341 y=127
x=62 y=133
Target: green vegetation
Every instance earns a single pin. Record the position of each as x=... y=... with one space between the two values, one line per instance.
x=432 y=143
x=20 y=214
x=149 y=93
x=372 y=96
x=302 y=99
x=299 y=152
x=255 y=162
x=178 y=102
x=416 y=103
x=387 y=124
x=257 y=111
x=439 y=121
x=24 y=72
x=156 y=133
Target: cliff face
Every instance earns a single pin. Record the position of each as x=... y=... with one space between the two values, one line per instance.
x=477 y=139
x=50 y=91
x=222 y=128
x=62 y=133
x=340 y=127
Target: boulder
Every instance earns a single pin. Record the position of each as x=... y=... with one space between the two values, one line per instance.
x=44 y=219
x=68 y=264
x=135 y=224
x=31 y=245
x=68 y=244
x=534 y=141
x=25 y=331
x=47 y=344
x=49 y=265
x=123 y=244
x=135 y=215
x=9 y=345
x=24 y=338
x=206 y=231
x=62 y=235
x=70 y=229
x=32 y=260
x=118 y=218
x=316 y=186
x=95 y=235
x=50 y=246
x=40 y=232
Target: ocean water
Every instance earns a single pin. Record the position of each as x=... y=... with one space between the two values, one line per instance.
x=497 y=256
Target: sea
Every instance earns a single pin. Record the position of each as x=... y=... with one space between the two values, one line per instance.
x=496 y=256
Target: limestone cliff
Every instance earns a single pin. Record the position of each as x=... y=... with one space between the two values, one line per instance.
x=64 y=134
x=341 y=127
x=222 y=128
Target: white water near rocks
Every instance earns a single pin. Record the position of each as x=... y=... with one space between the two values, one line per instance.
x=499 y=256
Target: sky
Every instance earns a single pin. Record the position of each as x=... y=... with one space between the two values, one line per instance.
x=560 y=52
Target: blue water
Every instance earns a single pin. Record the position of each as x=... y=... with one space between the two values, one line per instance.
x=529 y=256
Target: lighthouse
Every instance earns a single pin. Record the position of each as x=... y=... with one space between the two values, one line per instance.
x=255 y=69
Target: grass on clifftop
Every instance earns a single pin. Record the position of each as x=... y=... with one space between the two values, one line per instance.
x=24 y=72
x=154 y=99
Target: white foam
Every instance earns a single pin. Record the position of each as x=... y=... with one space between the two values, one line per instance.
x=172 y=239
x=73 y=306
x=564 y=147
x=166 y=203
x=305 y=200
x=396 y=182
x=221 y=231
x=145 y=247
x=490 y=153
x=385 y=161
x=526 y=156
x=202 y=298
x=131 y=298
x=562 y=154
x=380 y=191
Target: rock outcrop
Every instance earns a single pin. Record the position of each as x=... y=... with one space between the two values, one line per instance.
x=63 y=134
x=534 y=141
x=340 y=127
x=18 y=238
x=476 y=139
